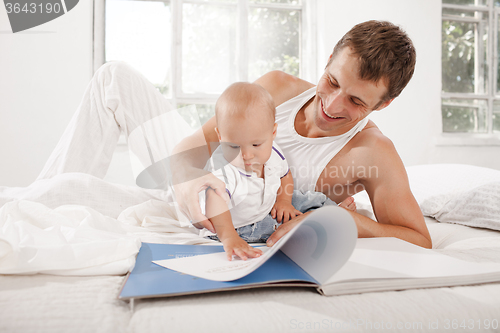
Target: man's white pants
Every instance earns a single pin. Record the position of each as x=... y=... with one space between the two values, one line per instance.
x=117 y=99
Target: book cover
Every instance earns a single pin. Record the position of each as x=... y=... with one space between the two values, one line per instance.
x=148 y=279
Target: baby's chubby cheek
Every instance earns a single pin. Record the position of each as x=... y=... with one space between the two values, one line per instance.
x=233 y=157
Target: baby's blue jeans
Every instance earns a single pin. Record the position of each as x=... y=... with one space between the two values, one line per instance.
x=259 y=232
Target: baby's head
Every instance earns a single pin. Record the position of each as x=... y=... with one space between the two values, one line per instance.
x=246 y=125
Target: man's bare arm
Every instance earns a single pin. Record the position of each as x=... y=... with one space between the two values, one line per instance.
x=366 y=228
x=282 y=86
x=188 y=177
x=395 y=208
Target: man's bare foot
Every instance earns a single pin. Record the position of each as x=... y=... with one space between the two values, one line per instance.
x=348 y=204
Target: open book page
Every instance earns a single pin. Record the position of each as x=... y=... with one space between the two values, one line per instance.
x=392 y=258
x=215 y=266
x=323 y=243
x=320 y=245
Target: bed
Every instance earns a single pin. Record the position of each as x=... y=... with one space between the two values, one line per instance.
x=461 y=204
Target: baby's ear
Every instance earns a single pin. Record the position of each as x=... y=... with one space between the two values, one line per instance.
x=217 y=131
x=275 y=130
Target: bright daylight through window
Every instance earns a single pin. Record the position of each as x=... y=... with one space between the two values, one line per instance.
x=470 y=79
x=191 y=50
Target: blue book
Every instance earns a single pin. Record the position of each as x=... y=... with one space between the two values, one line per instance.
x=322 y=252
x=148 y=279
x=303 y=257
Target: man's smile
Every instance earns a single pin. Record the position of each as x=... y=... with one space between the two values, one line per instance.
x=326 y=114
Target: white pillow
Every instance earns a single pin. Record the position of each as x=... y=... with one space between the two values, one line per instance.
x=479 y=207
x=458 y=193
x=452 y=193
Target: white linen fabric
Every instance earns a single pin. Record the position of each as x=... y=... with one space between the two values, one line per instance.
x=77 y=224
x=458 y=193
x=479 y=207
x=75 y=188
x=37 y=239
x=251 y=197
x=434 y=185
x=45 y=303
x=307 y=157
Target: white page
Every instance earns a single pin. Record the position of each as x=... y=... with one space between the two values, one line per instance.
x=320 y=244
x=382 y=258
x=324 y=242
x=215 y=266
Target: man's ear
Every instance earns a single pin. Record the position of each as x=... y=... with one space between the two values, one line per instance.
x=384 y=105
x=275 y=130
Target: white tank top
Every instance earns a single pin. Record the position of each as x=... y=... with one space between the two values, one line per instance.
x=307 y=157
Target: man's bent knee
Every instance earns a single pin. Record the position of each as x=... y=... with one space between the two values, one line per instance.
x=115 y=69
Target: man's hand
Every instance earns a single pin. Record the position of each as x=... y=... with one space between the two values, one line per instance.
x=283 y=211
x=284 y=228
x=188 y=177
x=237 y=246
x=186 y=195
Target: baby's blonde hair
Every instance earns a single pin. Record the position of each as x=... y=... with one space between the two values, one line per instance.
x=241 y=97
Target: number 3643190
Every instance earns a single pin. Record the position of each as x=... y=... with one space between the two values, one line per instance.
x=32 y=8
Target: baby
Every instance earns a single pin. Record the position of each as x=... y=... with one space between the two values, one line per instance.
x=255 y=172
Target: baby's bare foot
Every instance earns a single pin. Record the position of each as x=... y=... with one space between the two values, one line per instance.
x=348 y=204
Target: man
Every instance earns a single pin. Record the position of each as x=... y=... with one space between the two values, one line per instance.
x=368 y=68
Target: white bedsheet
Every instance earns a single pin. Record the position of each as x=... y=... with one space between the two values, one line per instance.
x=66 y=240
x=84 y=238
x=45 y=303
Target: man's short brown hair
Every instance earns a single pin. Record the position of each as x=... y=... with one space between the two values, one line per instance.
x=384 y=52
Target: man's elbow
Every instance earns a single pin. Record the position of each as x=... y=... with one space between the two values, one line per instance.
x=423 y=241
x=427 y=243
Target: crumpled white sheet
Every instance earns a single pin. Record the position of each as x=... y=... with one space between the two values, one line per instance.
x=75 y=239
x=36 y=239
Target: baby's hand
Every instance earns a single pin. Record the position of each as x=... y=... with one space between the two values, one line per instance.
x=283 y=211
x=237 y=246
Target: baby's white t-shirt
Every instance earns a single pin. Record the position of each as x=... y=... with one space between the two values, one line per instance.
x=251 y=197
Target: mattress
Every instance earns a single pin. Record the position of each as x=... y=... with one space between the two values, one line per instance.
x=48 y=303
x=74 y=303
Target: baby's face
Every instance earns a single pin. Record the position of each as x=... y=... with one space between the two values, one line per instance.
x=247 y=143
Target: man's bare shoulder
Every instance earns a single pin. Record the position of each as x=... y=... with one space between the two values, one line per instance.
x=283 y=86
x=371 y=136
x=370 y=147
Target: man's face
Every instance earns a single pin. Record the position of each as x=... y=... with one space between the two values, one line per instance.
x=342 y=99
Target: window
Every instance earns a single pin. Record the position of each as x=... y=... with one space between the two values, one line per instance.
x=470 y=80
x=191 y=50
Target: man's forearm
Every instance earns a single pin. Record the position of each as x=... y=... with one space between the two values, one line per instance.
x=190 y=154
x=369 y=228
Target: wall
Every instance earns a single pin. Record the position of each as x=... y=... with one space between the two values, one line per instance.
x=413 y=120
x=44 y=72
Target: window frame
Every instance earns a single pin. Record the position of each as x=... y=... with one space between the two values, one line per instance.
x=491 y=95
x=308 y=64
